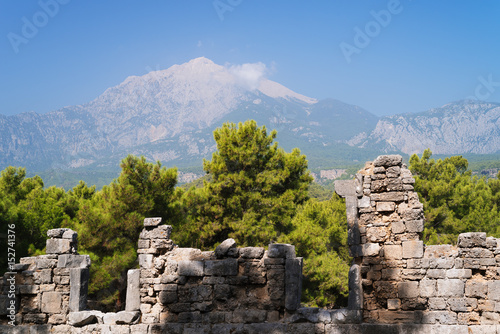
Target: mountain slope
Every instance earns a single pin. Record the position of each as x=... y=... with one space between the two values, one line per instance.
x=459 y=127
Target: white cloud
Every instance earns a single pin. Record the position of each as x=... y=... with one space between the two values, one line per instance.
x=249 y=75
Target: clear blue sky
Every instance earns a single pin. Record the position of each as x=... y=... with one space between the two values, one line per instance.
x=426 y=54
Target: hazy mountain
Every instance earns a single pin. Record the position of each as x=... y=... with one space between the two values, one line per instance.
x=169 y=115
x=461 y=127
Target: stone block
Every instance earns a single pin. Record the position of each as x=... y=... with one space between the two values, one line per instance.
x=133 y=297
x=393 y=304
x=397 y=317
x=73 y=261
x=459 y=273
x=151 y=222
x=70 y=235
x=190 y=268
x=252 y=252
x=82 y=318
x=79 y=280
x=393 y=252
x=476 y=288
x=494 y=290
x=415 y=226
x=472 y=239
x=385 y=206
x=427 y=288
x=393 y=196
x=408 y=289
x=388 y=160
x=437 y=303
x=439 y=317
x=293 y=283
x=450 y=288
x=281 y=250
x=490 y=318
x=226 y=267
x=58 y=246
x=398 y=227
x=57 y=232
x=393 y=171
x=413 y=249
x=370 y=249
x=391 y=274
x=51 y=302
x=377 y=233
x=345 y=188
x=223 y=248
x=159 y=232
x=146 y=261
x=355 y=299
x=249 y=316
x=364 y=202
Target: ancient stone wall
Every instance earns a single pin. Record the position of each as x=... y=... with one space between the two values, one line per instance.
x=396 y=283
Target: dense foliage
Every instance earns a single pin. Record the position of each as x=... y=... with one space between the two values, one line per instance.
x=455 y=201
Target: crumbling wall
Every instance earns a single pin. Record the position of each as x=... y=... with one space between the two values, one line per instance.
x=396 y=283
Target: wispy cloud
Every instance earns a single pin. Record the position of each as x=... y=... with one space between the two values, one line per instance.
x=249 y=75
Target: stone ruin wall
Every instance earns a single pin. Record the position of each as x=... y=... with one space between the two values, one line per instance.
x=396 y=283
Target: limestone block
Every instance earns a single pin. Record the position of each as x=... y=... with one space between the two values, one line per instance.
x=490 y=318
x=159 y=232
x=413 y=249
x=133 y=298
x=43 y=276
x=391 y=274
x=281 y=250
x=293 y=283
x=393 y=171
x=252 y=252
x=415 y=225
x=459 y=273
x=370 y=249
x=57 y=232
x=393 y=304
x=388 y=160
x=398 y=227
x=393 y=196
x=378 y=186
x=150 y=222
x=445 y=263
x=397 y=317
x=413 y=274
x=121 y=318
x=345 y=188
x=226 y=267
x=364 y=202
x=394 y=184
x=376 y=233
x=476 y=288
x=249 y=316
x=437 y=303
x=194 y=293
x=439 y=317
x=385 y=206
x=146 y=261
x=494 y=290
x=450 y=288
x=393 y=252
x=408 y=289
x=223 y=248
x=475 y=252
x=79 y=280
x=346 y=316
x=58 y=246
x=73 y=261
x=427 y=288
x=71 y=235
x=190 y=268
x=82 y=318
x=355 y=299
x=144 y=244
x=51 y=302
x=472 y=239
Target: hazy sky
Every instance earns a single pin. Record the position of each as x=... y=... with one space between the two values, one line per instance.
x=385 y=56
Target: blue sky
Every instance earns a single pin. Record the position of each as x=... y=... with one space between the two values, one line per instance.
x=385 y=56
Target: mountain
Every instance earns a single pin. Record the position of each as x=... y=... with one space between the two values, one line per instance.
x=467 y=126
x=169 y=115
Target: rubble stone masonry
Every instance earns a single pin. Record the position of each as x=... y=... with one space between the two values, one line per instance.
x=396 y=283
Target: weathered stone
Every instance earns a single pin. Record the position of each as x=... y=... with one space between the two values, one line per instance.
x=393 y=252
x=355 y=299
x=226 y=267
x=385 y=206
x=82 y=318
x=345 y=188
x=121 y=318
x=393 y=304
x=71 y=235
x=150 y=222
x=159 y=232
x=494 y=290
x=437 y=303
x=58 y=246
x=427 y=288
x=476 y=288
x=293 y=283
x=398 y=227
x=249 y=316
x=252 y=252
x=388 y=160
x=57 y=232
x=146 y=261
x=459 y=273
x=413 y=249
x=397 y=317
x=79 y=278
x=370 y=249
x=450 y=288
x=439 y=317
x=472 y=239
x=394 y=171
x=133 y=298
x=415 y=225
x=73 y=261
x=281 y=251
x=223 y=248
x=51 y=302
x=190 y=268
x=408 y=289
